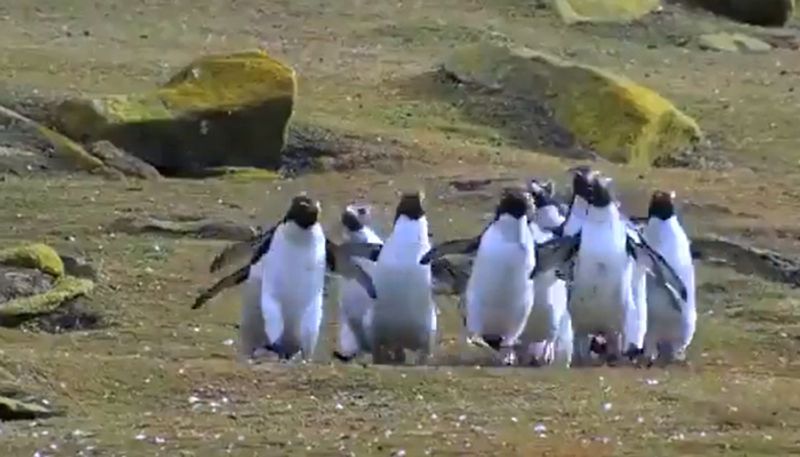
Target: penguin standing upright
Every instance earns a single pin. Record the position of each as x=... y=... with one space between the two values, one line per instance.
x=605 y=254
x=293 y=257
x=582 y=177
x=547 y=211
x=355 y=304
x=499 y=293
x=669 y=332
x=548 y=332
x=404 y=316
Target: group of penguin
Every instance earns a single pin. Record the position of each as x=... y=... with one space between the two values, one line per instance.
x=549 y=283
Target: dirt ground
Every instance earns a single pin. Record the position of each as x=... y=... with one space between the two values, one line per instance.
x=161 y=379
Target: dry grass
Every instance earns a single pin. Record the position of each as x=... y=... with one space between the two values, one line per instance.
x=164 y=374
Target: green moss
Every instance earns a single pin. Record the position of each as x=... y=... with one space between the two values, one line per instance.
x=229 y=81
x=623 y=121
x=39 y=256
x=576 y=11
x=66 y=288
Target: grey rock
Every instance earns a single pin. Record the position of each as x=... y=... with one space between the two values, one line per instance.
x=75 y=265
x=120 y=160
x=22 y=282
x=200 y=228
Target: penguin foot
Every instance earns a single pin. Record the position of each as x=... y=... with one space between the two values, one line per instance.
x=493 y=341
x=510 y=359
x=599 y=344
x=342 y=357
x=282 y=353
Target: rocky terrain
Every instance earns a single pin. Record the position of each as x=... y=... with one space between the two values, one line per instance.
x=137 y=139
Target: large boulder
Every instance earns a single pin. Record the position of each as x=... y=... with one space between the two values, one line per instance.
x=621 y=120
x=758 y=12
x=221 y=110
x=577 y=11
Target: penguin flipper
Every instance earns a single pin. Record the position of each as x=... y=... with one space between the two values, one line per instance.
x=241 y=250
x=233 y=279
x=555 y=252
x=369 y=251
x=338 y=261
x=459 y=246
x=644 y=254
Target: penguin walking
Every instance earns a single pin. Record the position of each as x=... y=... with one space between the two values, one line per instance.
x=293 y=258
x=355 y=304
x=547 y=336
x=499 y=293
x=669 y=332
x=404 y=316
x=605 y=255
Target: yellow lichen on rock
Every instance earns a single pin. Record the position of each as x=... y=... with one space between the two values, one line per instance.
x=577 y=11
x=229 y=82
x=621 y=120
x=66 y=288
x=37 y=256
x=230 y=109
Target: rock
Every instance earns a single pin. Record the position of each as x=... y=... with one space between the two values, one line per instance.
x=240 y=174
x=18 y=282
x=748 y=260
x=36 y=256
x=621 y=120
x=732 y=42
x=120 y=160
x=220 y=110
x=17 y=409
x=65 y=148
x=757 y=12
x=199 y=227
x=578 y=11
x=64 y=289
x=78 y=266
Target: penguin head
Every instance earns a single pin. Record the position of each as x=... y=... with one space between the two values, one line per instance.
x=543 y=192
x=303 y=211
x=355 y=217
x=514 y=202
x=410 y=206
x=600 y=195
x=582 y=177
x=662 y=205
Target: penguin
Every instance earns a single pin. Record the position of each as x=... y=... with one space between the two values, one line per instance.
x=548 y=331
x=582 y=177
x=499 y=293
x=547 y=213
x=669 y=333
x=291 y=260
x=355 y=304
x=404 y=316
x=605 y=254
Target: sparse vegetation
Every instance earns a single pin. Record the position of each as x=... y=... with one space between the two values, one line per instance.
x=160 y=379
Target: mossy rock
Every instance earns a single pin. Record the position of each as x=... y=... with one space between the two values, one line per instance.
x=38 y=256
x=221 y=110
x=66 y=288
x=757 y=12
x=578 y=11
x=620 y=119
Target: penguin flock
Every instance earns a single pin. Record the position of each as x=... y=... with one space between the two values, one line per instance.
x=571 y=284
